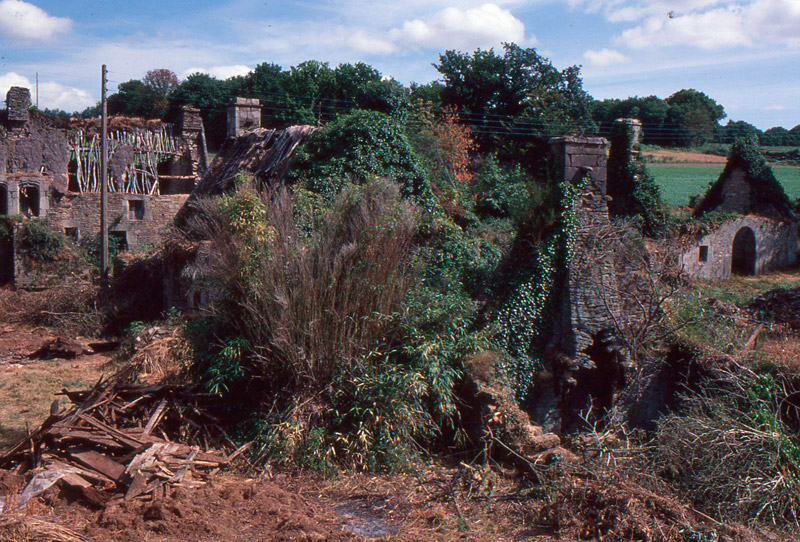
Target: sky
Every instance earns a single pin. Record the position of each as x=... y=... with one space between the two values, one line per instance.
x=743 y=53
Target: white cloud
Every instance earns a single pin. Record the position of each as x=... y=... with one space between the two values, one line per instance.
x=605 y=57
x=715 y=29
x=775 y=107
x=220 y=72
x=362 y=41
x=484 y=26
x=775 y=20
x=703 y=24
x=24 y=22
x=52 y=95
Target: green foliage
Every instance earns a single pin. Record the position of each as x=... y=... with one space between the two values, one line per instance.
x=525 y=317
x=695 y=115
x=7 y=224
x=738 y=129
x=92 y=249
x=40 y=242
x=496 y=92
x=358 y=147
x=633 y=190
x=650 y=110
x=769 y=195
x=503 y=193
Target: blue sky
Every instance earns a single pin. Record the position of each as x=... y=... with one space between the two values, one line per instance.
x=743 y=53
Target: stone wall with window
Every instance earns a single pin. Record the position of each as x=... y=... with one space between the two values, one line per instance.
x=744 y=245
x=140 y=219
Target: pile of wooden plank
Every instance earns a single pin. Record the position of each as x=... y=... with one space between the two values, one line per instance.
x=118 y=442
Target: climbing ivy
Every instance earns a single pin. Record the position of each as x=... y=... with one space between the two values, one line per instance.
x=358 y=147
x=524 y=320
x=633 y=190
x=767 y=192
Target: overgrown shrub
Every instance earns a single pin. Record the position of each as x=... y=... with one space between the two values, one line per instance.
x=633 y=190
x=729 y=451
x=315 y=315
x=40 y=242
x=359 y=147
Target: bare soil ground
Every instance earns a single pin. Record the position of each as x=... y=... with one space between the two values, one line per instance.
x=28 y=386
x=437 y=502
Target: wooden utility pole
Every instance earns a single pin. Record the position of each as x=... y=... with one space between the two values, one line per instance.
x=103 y=179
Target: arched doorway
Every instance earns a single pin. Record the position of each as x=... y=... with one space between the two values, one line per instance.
x=743 y=252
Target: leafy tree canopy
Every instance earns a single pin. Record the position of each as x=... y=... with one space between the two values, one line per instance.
x=519 y=94
x=694 y=117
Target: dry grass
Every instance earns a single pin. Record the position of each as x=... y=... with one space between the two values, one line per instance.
x=317 y=301
x=23 y=528
x=160 y=354
x=75 y=308
x=27 y=391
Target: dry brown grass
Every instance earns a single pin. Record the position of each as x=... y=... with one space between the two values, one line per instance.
x=318 y=301
x=160 y=354
x=24 y=528
x=27 y=391
x=783 y=349
x=74 y=308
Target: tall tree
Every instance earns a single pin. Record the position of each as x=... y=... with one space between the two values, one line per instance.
x=694 y=117
x=133 y=98
x=514 y=102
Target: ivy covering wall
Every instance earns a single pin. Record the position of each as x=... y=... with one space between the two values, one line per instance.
x=524 y=321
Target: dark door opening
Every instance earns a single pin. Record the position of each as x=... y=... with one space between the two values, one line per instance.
x=72 y=173
x=3 y=200
x=743 y=252
x=29 y=200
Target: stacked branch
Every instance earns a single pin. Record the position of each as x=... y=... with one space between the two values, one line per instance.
x=113 y=443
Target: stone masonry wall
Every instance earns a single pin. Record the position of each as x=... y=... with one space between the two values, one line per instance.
x=17 y=101
x=36 y=149
x=585 y=312
x=81 y=211
x=575 y=155
x=243 y=114
x=776 y=246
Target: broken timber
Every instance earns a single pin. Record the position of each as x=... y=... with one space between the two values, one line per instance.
x=103 y=448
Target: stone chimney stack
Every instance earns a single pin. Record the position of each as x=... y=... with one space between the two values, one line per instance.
x=17 y=101
x=576 y=156
x=190 y=122
x=636 y=126
x=243 y=114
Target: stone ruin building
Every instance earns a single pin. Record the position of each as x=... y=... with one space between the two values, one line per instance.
x=50 y=169
x=759 y=230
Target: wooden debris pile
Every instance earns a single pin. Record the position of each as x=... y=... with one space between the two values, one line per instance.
x=113 y=443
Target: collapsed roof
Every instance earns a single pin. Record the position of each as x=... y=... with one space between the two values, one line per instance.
x=261 y=153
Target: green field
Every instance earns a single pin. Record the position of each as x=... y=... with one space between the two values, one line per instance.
x=679 y=182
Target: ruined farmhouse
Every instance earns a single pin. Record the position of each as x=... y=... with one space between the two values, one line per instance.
x=50 y=169
x=753 y=228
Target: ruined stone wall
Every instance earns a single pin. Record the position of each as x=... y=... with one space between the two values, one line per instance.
x=776 y=247
x=575 y=156
x=586 y=303
x=37 y=148
x=17 y=101
x=143 y=222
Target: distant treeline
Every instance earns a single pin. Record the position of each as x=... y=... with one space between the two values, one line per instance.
x=515 y=93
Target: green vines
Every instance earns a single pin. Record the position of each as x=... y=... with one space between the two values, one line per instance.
x=526 y=318
x=633 y=190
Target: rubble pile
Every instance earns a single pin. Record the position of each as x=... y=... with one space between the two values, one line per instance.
x=113 y=443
